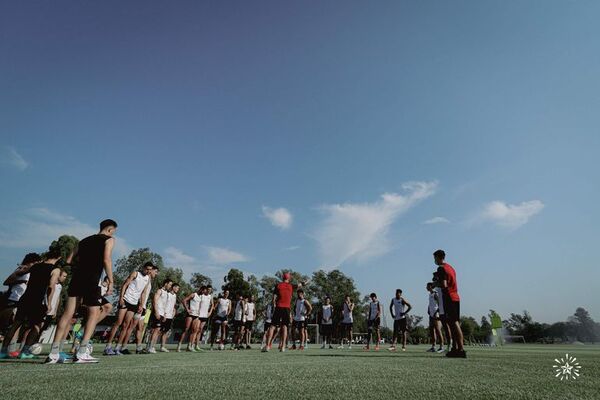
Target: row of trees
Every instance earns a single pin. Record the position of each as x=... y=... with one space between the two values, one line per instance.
x=579 y=327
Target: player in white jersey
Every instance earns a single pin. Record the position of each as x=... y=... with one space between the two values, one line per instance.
x=268 y=315
x=374 y=322
x=157 y=318
x=130 y=302
x=170 y=312
x=191 y=303
x=250 y=318
x=327 y=322
x=139 y=319
x=205 y=310
x=399 y=307
x=445 y=326
x=347 y=321
x=223 y=309
x=433 y=310
x=302 y=310
x=239 y=319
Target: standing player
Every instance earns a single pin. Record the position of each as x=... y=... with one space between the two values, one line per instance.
x=281 y=316
x=374 y=322
x=92 y=256
x=327 y=322
x=451 y=299
x=206 y=309
x=433 y=310
x=347 y=321
x=139 y=319
x=268 y=315
x=250 y=318
x=131 y=295
x=398 y=313
x=170 y=312
x=159 y=306
x=54 y=302
x=220 y=319
x=33 y=304
x=191 y=303
x=239 y=320
x=302 y=309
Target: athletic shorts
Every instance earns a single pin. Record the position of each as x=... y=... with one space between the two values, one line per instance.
x=219 y=320
x=193 y=317
x=203 y=319
x=432 y=321
x=89 y=293
x=32 y=313
x=166 y=325
x=237 y=323
x=400 y=325
x=452 y=310
x=267 y=326
x=103 y=301
x=326 y=329
x=347 y=325
x=374 y=323
x=300 y=324
x=129 y=307
x=249 y=325
x=155 y=322
x=281 y=316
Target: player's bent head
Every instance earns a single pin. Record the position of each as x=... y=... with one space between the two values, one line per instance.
x=439 y=256
x=53 y=254
x=109 y=226
x=31 y=258
x=167 y=282
x=429 y=285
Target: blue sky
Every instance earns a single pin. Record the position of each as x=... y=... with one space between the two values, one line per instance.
x=264 y=135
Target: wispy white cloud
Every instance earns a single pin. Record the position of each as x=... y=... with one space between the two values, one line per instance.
x=221 y=256
x=279 y=217
x=36 y=228
x=175 y=257
x=437 y=220
x=9 y=155
x=292 y=248
x=358 y=231
x=510 y=216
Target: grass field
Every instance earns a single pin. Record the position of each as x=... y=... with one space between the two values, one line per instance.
x=512 y=372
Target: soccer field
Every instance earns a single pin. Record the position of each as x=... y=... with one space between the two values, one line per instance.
x=511 y=372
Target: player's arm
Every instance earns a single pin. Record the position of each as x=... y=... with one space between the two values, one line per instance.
x=143 y=296
x=108 y=248
x=392 y=309
x=308 y=307
x=186 y=302
x=407 y=304
x=331 y=315
x=126 y=284
x=443 y=280
x=229 y=309
x=379 y=310
x=52 y=287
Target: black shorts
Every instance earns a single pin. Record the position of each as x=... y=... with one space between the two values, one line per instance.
x=237 y=323
x=326 y=329
x=300 y=324
x=281 y=316
x=452 y=310
x=127 y=306
x=347 y=325
x=33 y=313
x=166 y=325
x=267 y=326
x=400 y=325
x=374 y=323
x=433 y=321
x=155 y=322
x=219 y=320
x=193 y=317
x=203 y=319
x=249 y=325
x=88 y=293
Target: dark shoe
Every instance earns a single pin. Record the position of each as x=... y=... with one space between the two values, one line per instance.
x=452 y=354
x=125 y=351
x=461 y=354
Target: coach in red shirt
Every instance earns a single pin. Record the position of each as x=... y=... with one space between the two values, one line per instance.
x=281 y=315
x=447 y=281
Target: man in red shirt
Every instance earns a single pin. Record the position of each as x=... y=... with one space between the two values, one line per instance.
x=447 y=281
x=281 y=316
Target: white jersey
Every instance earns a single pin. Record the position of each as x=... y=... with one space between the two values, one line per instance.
x=300 y=310
x=136 y=288
x=433 y=307
x=222 y=307
x=438 y=291
x=54 y=299
x=161 y=305
x=205 y=300
x=347 y=314
x=16 y=291
x=398 y=305
x=170 y=306
x=326 y=313
x=250 y=307
x=239 y=314
x=373 y=310
x=195 y=305
x=269 y=313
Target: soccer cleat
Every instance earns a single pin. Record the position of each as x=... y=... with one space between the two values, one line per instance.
x=301 y=348
x=293 y=347
x=52 y=359
x=26 y=356
x=14 y=354
x=265 y=349
x=221 y=346
x=403 y=348
x=151 y=350
x=330 y=347
x=392 y=348
x=3 y=355
x=118 y=352
x=431 y=350
x=440 y=350
x=125 y=351
x=140 y=351
x=322 y=347
x=349 y=347
x=340 y=347
x=109 y=351
x=164 y=350
x=282 y=349
x=85 y=358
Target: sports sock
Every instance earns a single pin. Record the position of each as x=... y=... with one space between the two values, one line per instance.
x=55 y=348
x=118 y=348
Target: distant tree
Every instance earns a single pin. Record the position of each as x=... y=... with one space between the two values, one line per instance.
x=485 y=331
x=237 y=284
x=585 y=327
x=336 y=285
x=66 y=244
x=177 y=276
x=134 y=262
x=469 y=327
x=198 y=280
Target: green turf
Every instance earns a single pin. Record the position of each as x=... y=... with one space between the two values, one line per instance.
x=512 y=372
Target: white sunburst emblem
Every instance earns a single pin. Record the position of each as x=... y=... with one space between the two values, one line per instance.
x=566 y=368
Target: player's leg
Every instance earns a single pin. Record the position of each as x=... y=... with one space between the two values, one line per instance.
x=62 y=330
x=186 y=330
x=224 y=328
x=166 y=333
x=12 y=332
x=438 y=335
x=108 y=350
x=84 y=353
x=126 y=329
